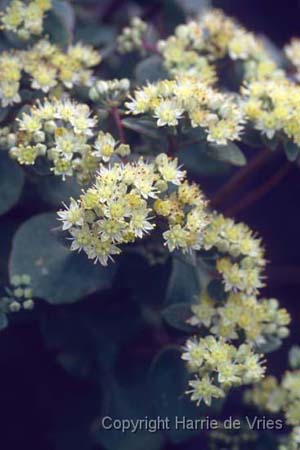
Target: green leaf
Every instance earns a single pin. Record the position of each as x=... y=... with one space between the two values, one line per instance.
x=173 y=15
x=58 y=275
x=95 y=34
x=184 y=282
x=176 y=316
x=7 y=229
x=142 y=126
x=3 y=113
x=3 y=321
x=292 y=151
x=11 y=182
x=129 y=398
x=252 y=138
x=56 y=191
x=194 y=6
x=229 y=153
x=59 y=23
x=198 y=162
x=168 y=381
x=151 y=69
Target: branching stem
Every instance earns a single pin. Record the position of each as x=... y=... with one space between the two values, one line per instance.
x=241 y=176
x=117 y=119
x=258 y=193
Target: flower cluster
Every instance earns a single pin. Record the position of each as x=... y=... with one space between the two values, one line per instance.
x=17 y=297
x=292 y=52
x=281 y=397
x=121 y=206
x=241 y=315
x=132 y=37
x=273 y=107
x=237 y=324
x=243 y=261
x=110 y=93
x=182 y=54
x=187 y=98
x=10 y=76
x=61 y=132
x=275 y=397
x=47 y=67
x=25 y=18
x=196 y=48
x=218 y=366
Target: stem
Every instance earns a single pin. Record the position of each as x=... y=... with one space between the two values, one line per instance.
x=117 y=119
x=258 y=193
x=172 y=146
x=150 y=47
x=242 y=175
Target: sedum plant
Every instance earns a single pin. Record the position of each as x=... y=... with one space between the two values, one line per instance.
x=107 y=141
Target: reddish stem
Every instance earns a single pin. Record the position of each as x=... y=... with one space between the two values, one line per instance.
x=242 y=175
x=258 y=193
x=117 y=119
x=150 y=47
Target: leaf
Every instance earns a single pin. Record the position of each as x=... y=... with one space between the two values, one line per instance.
x=56 y=191
x=3 y=321
x=129 y=398
x=194 y=6
x=176 y=316
x=173 y=15
x=59 y=23
x=3 y=113
x=184 y=283
x=168 y=381
x=197 y=161
x=7 y=229
x=252 y=138
x=229 y=153
x=11 y=182
x=292 y=150
x=143 y=126
x=151 y=69
x=95 y=34
x=57 y=275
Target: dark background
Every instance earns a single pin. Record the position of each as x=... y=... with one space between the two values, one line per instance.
x=33 y=387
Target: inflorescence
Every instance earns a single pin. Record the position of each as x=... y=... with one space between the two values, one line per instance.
x=125 y=203
x=238 y=326
x=25 y=18
x=130 y=197
x=187 y=99
x=47 y=67
x=64 y=133
x=281 y=397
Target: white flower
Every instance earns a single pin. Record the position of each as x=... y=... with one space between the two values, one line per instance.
x=167 y=113
x=71 y=216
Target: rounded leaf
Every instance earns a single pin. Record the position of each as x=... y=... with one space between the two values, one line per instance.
x=11 y=183
x=57 y=275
